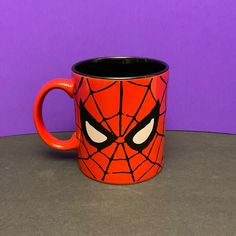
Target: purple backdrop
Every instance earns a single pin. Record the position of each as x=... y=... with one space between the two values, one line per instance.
x=40 y=40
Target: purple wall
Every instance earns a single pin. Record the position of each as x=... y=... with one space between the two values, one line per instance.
x=40 y=40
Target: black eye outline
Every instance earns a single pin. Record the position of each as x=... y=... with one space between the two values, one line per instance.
x=86 y=116
x=154 y=114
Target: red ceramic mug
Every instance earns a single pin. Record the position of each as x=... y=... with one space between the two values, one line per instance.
x=120 y=107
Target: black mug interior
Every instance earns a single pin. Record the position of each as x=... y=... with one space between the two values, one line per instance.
x=120 y=67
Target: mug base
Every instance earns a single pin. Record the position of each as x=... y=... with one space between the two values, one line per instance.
x=119 y=181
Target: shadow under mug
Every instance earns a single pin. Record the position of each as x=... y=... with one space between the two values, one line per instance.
x=120 y=108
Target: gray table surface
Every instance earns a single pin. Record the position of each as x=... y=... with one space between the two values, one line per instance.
x=42 y=191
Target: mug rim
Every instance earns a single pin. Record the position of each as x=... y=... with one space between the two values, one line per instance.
x=91 y=60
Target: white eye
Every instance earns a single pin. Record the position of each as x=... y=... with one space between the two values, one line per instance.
x=94 y=134
x=143 y=134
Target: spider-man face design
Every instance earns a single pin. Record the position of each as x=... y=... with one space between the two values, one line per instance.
x=121 y=128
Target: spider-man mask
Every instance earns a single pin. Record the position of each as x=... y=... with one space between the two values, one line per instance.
x=120 y=124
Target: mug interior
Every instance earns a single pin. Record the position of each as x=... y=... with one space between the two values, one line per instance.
x=120 y=67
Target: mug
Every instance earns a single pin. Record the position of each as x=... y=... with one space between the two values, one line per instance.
x=120 y=109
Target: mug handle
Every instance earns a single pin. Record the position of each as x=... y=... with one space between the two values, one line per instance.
x=67 y=86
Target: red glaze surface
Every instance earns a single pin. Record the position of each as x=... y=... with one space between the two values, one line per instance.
x=120 y=126
x=119 y=106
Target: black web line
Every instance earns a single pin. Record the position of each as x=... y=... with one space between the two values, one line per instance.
x=127 y=159
x=162 y=98
x=148 y=89
x=99 y=151
x=153 y=95
x=99 y=110
x=96 y=91
x=159 y=150
x=110 y=117
x=154 y=163
x=80 y=83
x=89 y=155
x=163 y=80
x=105 y=155
x=139 y=164
x=87 y=98
x=134 y=155
x=85 y=148
x=120 y=109
x=105 y=172
x=133 y=118
x=163 y=95
x=109 y=163
x=110 y=159
x=92 y=155
x=147 y=159
x=151 y=91
x=82 y=141
x=89 y=169
x=150 y=150
x=91 y=158
x=138 y=84
x=146 y=172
